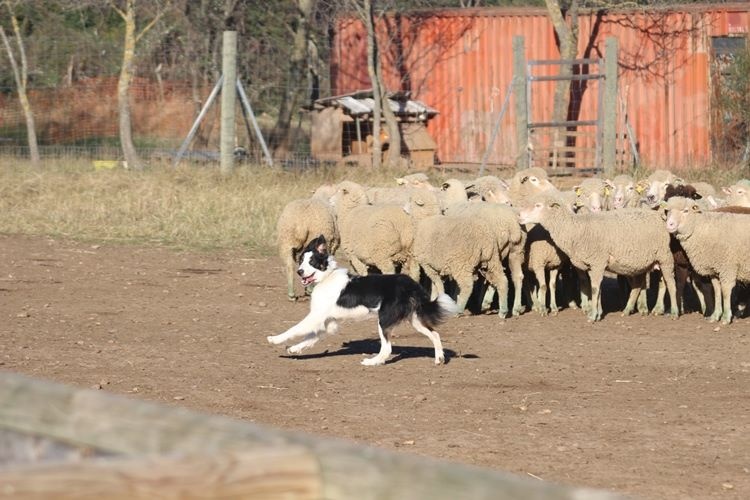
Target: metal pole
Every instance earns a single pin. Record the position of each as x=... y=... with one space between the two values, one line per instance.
x=197 y=122
x=248 y=110
x=495 y=130
x=228 y=99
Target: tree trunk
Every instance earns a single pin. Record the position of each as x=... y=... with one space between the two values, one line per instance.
x=123 y=87
x=372 y=71
x=279 y=140
x=21 y=77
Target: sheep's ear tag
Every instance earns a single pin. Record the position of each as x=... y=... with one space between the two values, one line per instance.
x=606 y=191
x=663 y=204
x=640 y=189
x=578 y=191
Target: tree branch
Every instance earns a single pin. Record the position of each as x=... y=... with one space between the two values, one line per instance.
x=149 y=25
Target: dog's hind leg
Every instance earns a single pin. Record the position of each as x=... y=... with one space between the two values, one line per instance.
x=385 y=348
x=432 y=335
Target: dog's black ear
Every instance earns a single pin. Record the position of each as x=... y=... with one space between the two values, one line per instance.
x=321 y=246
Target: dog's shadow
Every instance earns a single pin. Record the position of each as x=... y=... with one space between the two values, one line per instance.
x=371 y=347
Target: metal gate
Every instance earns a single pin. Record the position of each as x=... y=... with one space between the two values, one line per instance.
x=576 y=141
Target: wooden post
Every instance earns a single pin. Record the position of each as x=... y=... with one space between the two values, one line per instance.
x=609 y=128
x=519 y=89
x=228 y=97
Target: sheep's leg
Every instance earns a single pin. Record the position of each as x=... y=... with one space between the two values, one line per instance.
x=716 y=315
x=658 y=309
x=385 y=348
x=643 y=301
x=498 y=280
x=437 y=287
x=584 y=283
x=595 y=311
x=515 y=264
x=727 y=285
x=412 y=269
x=359 y=266
x=465 y=285
x=667 y=274
x=386 y=266
x=540 y=301
x=697 y=283
x=680 y=278
x=636 y=285
x=553 y=291
x=287 y=256
x=488 y=298
x=432 y=335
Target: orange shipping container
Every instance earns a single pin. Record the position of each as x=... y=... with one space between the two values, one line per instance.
x=460 y=62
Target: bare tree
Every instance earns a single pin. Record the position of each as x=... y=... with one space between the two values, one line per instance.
x=21 y=76
x=567 y=35
x=297 y=69
x=128 y=15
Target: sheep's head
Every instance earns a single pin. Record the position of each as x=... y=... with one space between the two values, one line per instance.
x=454 y=191
x=537 y=208
x=591 y=195
x=623 y=190
x=348 y=195
x=530 y=181
x=418 y=181
x=656 y=185
x=679 y=213
x=422 y=203
x=738 y=195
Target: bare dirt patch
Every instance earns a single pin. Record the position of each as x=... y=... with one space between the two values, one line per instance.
x=645 y=406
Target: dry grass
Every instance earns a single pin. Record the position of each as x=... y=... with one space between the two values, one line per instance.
x=188 y=207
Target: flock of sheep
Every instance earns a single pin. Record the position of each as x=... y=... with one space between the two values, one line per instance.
x=489 y=230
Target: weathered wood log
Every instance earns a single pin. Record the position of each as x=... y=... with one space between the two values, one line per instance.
x=119 y=425
x=268 y=473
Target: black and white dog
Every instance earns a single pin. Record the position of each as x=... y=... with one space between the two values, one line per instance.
x=338 y=295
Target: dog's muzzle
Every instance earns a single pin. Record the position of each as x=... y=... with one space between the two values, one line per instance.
x=306 y=280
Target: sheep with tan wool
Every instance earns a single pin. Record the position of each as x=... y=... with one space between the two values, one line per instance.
x=594 y=244
x=738 y=194
x=592 y=195
x=655 y=185
x=400 y=194
x=624 y=192
x=489 y=188
x=511 y=241
x=527 y=183
x=372 y=235
x=716 y=244
x=300 y=222
x=454 y=246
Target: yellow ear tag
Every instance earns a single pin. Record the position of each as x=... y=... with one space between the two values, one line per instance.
x=606 y=191
x=640 y=189
x=578 y=191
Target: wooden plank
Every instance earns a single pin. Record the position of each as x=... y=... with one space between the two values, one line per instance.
x=522 y=111
x=609 y=104
x=133 y=427
x=266 y=473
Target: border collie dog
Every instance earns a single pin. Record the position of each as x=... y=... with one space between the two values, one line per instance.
x=337 y=295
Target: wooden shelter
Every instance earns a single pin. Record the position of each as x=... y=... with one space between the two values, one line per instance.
x=61 y=442
x=342 y=129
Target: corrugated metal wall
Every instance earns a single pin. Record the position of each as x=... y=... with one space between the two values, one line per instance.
x=460 y=62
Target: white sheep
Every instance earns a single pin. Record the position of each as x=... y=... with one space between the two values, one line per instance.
x=300 y=222
x=400 y=194
x=654 y=186
x=454 y=246
x=738 y=194
x=489 y=188
x=594 y=244
x=527 y=183
x=510 y=240
x=452 y=192
x=372 y=235
x=716 y=244
x=592 y=195
x=624 y=192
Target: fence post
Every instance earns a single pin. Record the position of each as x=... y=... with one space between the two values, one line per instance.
x=519 y=91
x=609 y=127
x=228 y=97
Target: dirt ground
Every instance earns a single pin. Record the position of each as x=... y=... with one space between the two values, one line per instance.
x=649 y=407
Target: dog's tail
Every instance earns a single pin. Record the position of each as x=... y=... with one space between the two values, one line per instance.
x=435 y=312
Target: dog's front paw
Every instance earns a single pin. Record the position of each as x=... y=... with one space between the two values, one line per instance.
x=274 y=339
